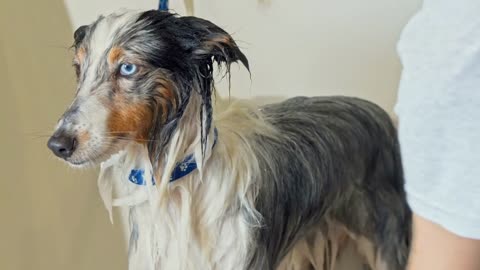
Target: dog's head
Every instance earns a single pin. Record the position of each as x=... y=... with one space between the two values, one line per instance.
x=136 y=74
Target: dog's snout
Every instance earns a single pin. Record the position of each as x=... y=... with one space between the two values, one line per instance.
x=62 y=145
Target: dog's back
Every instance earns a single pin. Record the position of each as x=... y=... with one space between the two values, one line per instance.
x=334 y=160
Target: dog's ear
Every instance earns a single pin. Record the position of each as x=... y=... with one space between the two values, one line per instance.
x=212 y=42
x=207 y=43
x=79 y=35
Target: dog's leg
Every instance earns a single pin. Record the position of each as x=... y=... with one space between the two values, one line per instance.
x=334 y=250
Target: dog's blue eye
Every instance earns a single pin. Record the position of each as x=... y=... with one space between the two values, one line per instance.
x=127 y=69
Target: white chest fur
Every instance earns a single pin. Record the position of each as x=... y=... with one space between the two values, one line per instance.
x=189 y=233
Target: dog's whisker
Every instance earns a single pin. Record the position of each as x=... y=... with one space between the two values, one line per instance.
x=39 y=136
x=35 y=133
x=129 y=139
x=119 y=132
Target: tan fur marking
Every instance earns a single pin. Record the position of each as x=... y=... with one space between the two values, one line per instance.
x=167 y=91
x=83 y=137
x=168 y=94
x=130 y=120
x=225 y=39
x=218 y=42
x=80 y=55
x=163 y=104
x=115 y=54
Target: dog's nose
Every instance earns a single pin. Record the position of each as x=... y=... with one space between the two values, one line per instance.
x=62 y=145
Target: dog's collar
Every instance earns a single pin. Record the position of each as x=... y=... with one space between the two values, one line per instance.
x=182 y=169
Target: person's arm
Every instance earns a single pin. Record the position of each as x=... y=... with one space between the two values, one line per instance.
x=434 y=247
x=439 y=111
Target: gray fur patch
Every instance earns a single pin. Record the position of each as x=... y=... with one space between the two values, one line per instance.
x=336 y=158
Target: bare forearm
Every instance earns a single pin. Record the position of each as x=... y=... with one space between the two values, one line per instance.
x=434 y=247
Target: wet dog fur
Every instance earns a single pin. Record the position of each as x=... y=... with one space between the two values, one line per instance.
x=287 y=186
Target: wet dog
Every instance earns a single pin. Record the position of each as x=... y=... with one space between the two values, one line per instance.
x=210 y=184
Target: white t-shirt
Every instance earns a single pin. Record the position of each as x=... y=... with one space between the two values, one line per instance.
x=439 y=114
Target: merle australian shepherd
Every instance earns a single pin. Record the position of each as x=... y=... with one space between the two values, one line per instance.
x=214 y=184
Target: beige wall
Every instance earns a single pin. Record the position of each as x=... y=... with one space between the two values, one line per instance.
x=316 y=47
x=52 y=216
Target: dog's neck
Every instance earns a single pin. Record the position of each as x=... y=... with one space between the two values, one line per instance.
x=135 y=160
x=202 y=215
x=182 y=169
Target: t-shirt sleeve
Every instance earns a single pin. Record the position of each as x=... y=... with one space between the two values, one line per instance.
x=439 y=116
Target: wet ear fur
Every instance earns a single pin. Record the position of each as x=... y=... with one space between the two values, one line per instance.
x=214 y=43
x=79 y=35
